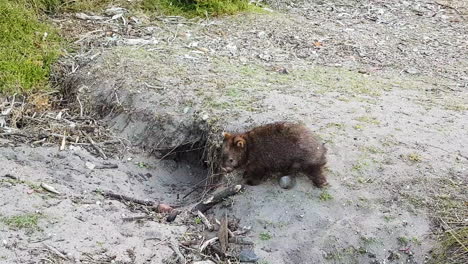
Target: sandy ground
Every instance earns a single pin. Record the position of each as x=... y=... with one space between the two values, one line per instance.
x=383 y=84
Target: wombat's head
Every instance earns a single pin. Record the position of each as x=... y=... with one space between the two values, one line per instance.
x=234 y=152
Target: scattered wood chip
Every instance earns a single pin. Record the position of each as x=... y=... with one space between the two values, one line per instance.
x=207 y=243
x=55 y=251
x=106 y=166
x=49 y=188
x=223 y=233
x=95 y=146
x=205 y=221
x=64 y=141
x=84 y=16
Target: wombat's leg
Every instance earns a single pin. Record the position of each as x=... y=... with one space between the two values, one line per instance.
x=315 y=173
x=253 y=176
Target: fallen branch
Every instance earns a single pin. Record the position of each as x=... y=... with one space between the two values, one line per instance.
x=135 y=218
x=217 y=198
x=240 y=241
x=129 y=199
x=106 y=166
x=223 y=234
x=95 y=146
x=205 y=221
x=55 y=251
x=207 y=243
x=175 y=246
x=11 y=176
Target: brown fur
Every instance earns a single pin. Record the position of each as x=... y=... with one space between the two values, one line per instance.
x=281 y=147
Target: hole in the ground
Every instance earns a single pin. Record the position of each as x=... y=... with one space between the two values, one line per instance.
x=195 y=169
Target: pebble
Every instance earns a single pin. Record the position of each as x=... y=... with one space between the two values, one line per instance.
x=247 y=256
x=286 y=182
x=90 y=165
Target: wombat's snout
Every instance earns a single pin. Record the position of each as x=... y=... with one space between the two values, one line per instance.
x=227 y=169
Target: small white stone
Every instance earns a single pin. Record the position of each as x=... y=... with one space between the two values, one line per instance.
x=90 y=165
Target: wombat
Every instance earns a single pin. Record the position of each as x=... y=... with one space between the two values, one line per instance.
x=281 y=147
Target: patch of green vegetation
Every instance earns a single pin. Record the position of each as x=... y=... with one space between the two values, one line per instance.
x=345 y=255
x=198 y=8
x=456 y=107
x=364 y=180
x=358 y=127
x=24 y=221
x=265 y=236
x=389 y=218
x=325 y=196
x=368 y=119
x=403 y=240
x=28 y=48
x=372 y=149
x=414 y=157
x=360 y=165
x=336 y=125
x=413 y=199
x=33 y=186
x=368 y=240
x=416 y=241
x=143 y=165
x=451 y=242
x=100 y=244
x=197 y=220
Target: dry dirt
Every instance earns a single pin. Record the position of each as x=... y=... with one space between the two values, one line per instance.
x=384 y=83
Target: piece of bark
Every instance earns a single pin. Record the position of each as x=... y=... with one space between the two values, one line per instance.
x=240 y=241
x=223 y=234
x=130 y=199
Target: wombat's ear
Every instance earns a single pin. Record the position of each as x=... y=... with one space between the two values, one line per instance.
x=239 y=142
x=226 y=135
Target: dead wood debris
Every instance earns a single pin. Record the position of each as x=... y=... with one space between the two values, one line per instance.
x=217 y=198
x=47 y=123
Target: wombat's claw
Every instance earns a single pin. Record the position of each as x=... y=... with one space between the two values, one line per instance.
x=323 y=185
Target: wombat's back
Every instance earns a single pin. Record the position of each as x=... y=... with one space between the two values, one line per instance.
x=280 y=145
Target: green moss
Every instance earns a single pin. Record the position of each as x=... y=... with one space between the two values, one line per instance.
x=360 y=165
x=358 y=127
x=197 y=8
x=371 y=149
x=28 y=47
x=453 y=247
x=368 y=119
x=31 y=185
x=24 y=221
x=325 y=196
x=415 y=157
x=265 y=236
x=337 y=125
x=56 y=6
